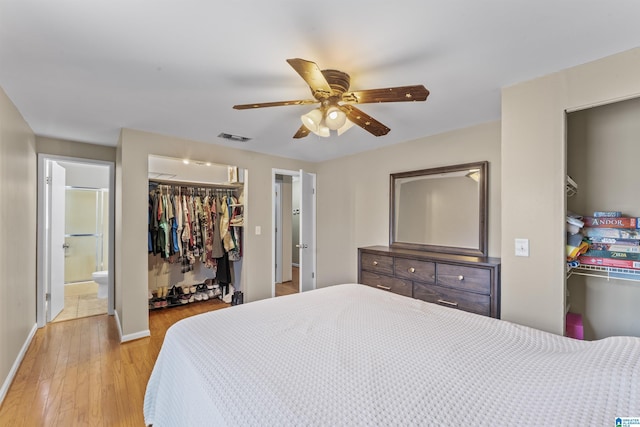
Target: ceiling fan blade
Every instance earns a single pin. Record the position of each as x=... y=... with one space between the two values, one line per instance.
x=391 y=94
x=311 y=74
x=302 y=132
x=364 y=120
x=274 y=104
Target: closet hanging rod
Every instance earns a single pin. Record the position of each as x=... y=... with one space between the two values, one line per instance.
x=196 y=184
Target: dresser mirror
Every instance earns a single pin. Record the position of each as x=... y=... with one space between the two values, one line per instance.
x=442 y=209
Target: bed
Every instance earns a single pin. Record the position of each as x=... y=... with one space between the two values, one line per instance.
x=354 y=355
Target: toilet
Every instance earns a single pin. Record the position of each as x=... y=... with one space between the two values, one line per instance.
x=102 y=279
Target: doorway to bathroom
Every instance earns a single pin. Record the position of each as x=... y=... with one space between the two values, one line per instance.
x=75 y=227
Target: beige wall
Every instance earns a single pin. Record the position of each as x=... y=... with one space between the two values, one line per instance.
x=533 y=180
x=18 y=206
x=61 y=147
x=353 y=193
x=133 y=150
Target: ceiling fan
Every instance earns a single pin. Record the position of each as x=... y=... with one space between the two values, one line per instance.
x=336 y=111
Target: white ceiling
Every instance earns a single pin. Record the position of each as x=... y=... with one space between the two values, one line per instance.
x=81 y=70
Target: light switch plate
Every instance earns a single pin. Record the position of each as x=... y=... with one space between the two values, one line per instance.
x=522 y=247
x=258 y=230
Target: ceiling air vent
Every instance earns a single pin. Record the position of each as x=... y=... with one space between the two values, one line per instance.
x=233 y=137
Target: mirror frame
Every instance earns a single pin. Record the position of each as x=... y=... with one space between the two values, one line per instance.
x=483 y=185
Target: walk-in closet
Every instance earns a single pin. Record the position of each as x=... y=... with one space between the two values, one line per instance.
x=602 y=156
x=195 y=233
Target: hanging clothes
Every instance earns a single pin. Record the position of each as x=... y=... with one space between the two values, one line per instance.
x=174 y=225
x=196 y=224
x=227 y=240
x=149 y=227
x=223 y=270
x=217 y=250
x=209 y=211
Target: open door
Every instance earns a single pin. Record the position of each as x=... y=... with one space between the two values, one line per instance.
x=307 y=244
x=55 y=292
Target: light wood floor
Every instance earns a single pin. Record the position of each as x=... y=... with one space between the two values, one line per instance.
x=81 y=300
x=290 y=287
x=76 y=373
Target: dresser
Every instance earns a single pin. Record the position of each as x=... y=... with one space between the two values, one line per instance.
x=467 y=283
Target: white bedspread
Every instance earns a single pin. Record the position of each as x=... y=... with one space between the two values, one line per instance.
x=355 y=355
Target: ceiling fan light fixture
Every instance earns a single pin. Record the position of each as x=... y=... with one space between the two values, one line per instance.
x=345 y=127
x=330 y=88
x=335 y=118
x=312 y=120
x=323 y=131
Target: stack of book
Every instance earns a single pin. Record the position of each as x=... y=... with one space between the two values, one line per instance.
x=575 y=244
x=614 y=240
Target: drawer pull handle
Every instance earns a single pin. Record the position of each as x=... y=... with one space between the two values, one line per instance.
x=452 y=304
x=461 y=277
x=412 y=270
x=375 y=262
x=386 y=288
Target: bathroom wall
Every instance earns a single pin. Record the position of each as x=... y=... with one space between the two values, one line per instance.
x=86 y=213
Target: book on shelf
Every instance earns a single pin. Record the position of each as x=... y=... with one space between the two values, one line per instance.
x=622 y=222
x=609 y=262
x=616 y=233
x=607 y=214
x=613 y=254
x=614 y=248
x=614 y=241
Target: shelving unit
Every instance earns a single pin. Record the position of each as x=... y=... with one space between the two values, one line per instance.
x=606 y=272
x=594 y=270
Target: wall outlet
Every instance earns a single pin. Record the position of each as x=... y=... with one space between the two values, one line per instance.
x=522 y=247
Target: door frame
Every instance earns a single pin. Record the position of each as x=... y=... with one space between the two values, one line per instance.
x=44 y=244
x=292 y=173
x=277 y=231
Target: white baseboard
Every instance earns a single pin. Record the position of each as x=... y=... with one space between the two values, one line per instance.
x=130 y=337
x=136 y=336
x=16 y=364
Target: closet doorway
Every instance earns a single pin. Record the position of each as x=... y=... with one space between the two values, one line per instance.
x=294 y=232
x=75 y=229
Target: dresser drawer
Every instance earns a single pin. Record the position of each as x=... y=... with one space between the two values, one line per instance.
x=423 y=271
x=377 y=263
x=465 y=278
x=467 y=301
x=388 y=283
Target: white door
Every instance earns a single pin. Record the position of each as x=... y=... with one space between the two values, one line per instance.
x=57 y=230
x=307 y=244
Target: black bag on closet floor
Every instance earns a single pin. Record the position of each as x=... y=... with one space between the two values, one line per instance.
x=237 y=298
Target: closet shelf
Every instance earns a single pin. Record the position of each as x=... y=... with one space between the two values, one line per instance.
x=226 y=185
x=606 y=272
